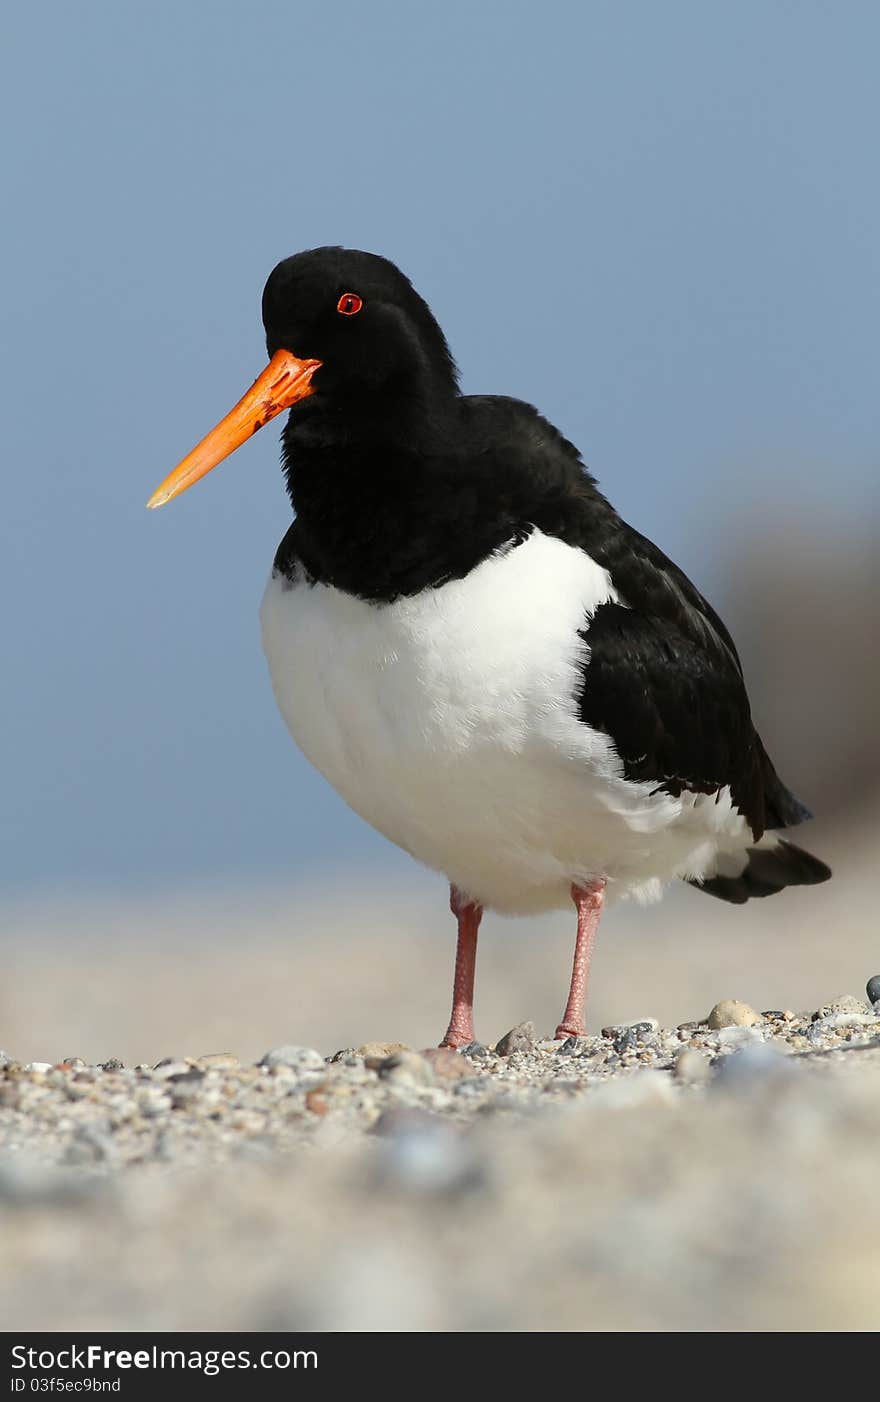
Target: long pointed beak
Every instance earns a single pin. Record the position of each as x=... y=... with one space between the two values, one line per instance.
x=284 y=381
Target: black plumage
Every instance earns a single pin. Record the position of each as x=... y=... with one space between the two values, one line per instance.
x=401 y=483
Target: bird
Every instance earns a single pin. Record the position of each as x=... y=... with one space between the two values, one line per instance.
x=479 y=654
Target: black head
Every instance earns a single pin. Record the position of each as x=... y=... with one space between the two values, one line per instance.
x=353 y=343
x=358 y=315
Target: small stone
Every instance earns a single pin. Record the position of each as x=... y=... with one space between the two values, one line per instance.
x=872 y=988
x=738 y=1036
x=185 y=1086
x=114 y=1064
x=380 y=1049
x=217 y=1061
x=316 y=1100
x=293 y=1058
x=406 y=1068
x=846 y=1003
x=341 y=1055
x=691 y=1067
x=167 y=1068
x=476 y=1051
x=521 y=1038
x=631 y=1036
x=640 y=1024
x=822 y=1027
x=730 y=1012
x=70 y=1063
x=40 y=1067
x=446 y=1064
x=572 y=1046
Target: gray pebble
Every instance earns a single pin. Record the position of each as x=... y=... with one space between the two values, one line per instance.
x=635 y=1038
x=846 y=1003
x=519 y=1039
x=872 y=988
x=114 y=1064
x=738 y=1036
x=822 y=1027
x=407 y=1068
x=295 y=1058
x=639 y=1024
x=476 y=1051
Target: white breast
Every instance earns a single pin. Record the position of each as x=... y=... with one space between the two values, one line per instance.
x=449 y=722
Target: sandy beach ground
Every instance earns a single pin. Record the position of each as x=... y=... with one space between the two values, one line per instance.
x=661 y=1177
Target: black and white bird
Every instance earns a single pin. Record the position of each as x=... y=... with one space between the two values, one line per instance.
x=484 y=660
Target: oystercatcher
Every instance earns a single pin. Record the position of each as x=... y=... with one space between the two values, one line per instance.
x=482 y=658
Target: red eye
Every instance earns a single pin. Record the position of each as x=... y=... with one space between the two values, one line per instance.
x=349 y=304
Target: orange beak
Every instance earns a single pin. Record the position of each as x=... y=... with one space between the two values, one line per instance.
x=284 y=381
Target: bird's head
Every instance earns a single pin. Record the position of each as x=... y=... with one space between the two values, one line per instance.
x=343 y=328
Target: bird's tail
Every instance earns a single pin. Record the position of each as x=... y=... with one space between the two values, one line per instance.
x=764 y=869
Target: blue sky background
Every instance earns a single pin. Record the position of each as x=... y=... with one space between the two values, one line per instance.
x=661 y=223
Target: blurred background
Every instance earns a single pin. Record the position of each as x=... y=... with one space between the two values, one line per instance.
x=661 y=225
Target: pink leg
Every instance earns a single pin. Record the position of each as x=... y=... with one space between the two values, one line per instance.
x=461 y=1023
x=589 y=900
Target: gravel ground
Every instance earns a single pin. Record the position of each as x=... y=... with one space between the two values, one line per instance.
x=721 y=1175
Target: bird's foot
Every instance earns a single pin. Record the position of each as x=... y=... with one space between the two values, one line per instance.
x=569 y=1029
x=459 y=1034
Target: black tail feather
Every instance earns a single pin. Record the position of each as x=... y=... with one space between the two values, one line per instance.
x=767 y=870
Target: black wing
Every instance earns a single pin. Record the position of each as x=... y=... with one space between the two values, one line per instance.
x=664 y=681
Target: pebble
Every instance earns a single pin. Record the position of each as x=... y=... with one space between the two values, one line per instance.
x=217 y=1061
x=40 y=1067
x=380 y=1049
x=476 y=1051
x=114 y=1064
x=846 y=1003
x=316 y=1100
x=166 y=1068
x=730 y=1012
x=872 y=988
x=736 y=1036
x=446 y=1064
x=691 y=1067
x=406 y=1068
x=639 y=1024
x=519 y=1039
x=821 y=1027
x=293 y=1058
